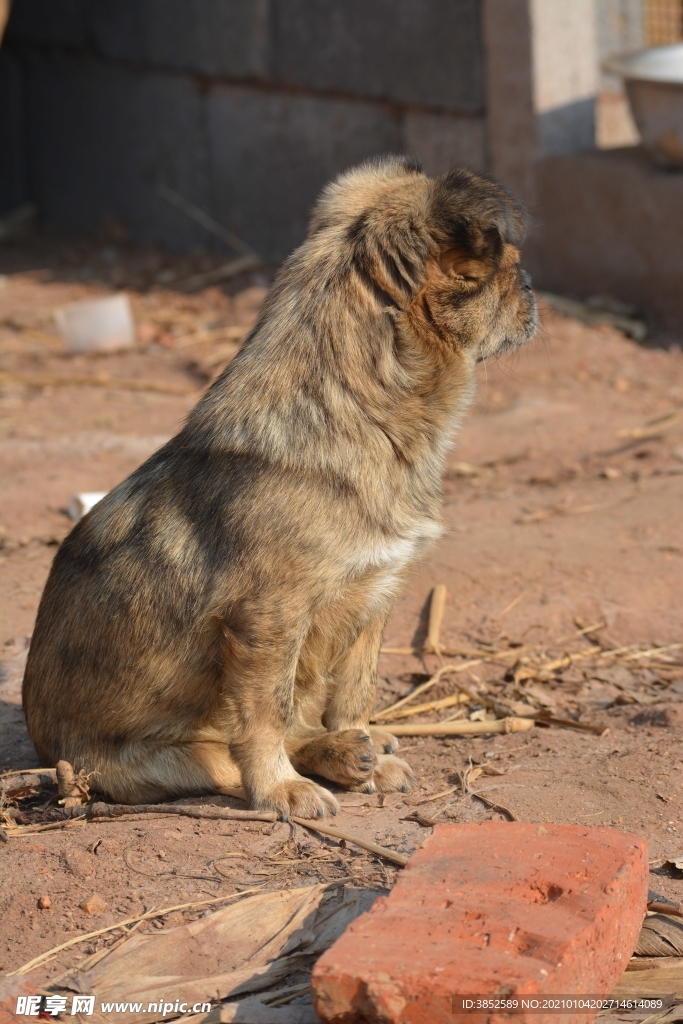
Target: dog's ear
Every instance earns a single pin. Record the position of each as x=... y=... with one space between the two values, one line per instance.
x=474 y=221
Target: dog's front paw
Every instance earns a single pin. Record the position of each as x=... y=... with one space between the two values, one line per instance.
x=346 y=757
x=297 y=797
x=383 y=742
x=391 y=775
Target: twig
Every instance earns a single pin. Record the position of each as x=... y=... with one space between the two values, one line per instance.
x=100 y=380
x=444 y=670
x=420 y=819
x=438 y=796
x=511 y=605
x=580 y=632
x=162 y=874
x=90 y=961
x=502 y=725
x=565 y=510
x=569 y=723
x=452 y=652
x=223 y=273
x=494 y=806
x=654 y=427
x=652 y=651
x=102 y=810
x=201 y=217
x=433 y=705
x=233 y=332
x=628 y=653
x=437 y=604
x=20 y=831
x=29 y=771
x=675 y=909
x=25 y=968
x=364 y=844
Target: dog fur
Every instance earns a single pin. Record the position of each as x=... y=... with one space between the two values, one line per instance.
x=216 y=619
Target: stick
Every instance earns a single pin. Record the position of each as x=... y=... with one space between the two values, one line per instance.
x=364 y=844
x=568 y=659
x=508 y=607
x=434 y=705
x=652 y=651
x=201 y=217
x=25 y=968
x=438 y=796
x=20 y=831
x=100 y=380
x=231 y=333
x=452 y=652
x=569 y=723
x=102 y=810
x=654 y=428
x=223 y=273
x=425 y=686
x=494 y=806
x=580 y=632
x=28 y=771
x=436 y=608
x=675 y=909
x=503 y=725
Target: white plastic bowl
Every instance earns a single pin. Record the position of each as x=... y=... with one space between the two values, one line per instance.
x=97 y=325
x=80 y=504
x=654 y=83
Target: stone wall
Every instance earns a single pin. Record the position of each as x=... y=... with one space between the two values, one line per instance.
x=244 y=107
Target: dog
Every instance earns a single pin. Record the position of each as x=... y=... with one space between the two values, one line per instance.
x=215 y=621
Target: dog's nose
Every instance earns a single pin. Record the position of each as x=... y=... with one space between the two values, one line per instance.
x=526 y=279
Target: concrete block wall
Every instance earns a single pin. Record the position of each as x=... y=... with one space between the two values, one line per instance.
x=612 y=226
x=248 y=107
x=244 y=107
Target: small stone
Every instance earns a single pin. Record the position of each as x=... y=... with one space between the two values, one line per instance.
x=93 y=905
x=78 y=862
x=44 y=903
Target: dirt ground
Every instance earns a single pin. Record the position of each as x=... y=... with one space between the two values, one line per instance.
x=563 y=511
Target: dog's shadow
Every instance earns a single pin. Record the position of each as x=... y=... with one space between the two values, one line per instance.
x=16 y=748
x=420 y=634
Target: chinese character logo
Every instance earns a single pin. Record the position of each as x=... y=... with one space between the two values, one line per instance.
x=34 y=1006
x=54 y=1005
x=28 y=1006
x=83 y=1004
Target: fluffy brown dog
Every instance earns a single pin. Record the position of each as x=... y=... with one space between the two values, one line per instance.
x=217 y=618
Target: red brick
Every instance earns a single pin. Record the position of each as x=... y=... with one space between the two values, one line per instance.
x=492 y=909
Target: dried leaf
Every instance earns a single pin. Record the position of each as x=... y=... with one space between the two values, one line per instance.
x=248 y=947
x=666 y=979
x=541 y=695
x=661 y=935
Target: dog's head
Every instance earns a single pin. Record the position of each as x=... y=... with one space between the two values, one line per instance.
x=444 y=252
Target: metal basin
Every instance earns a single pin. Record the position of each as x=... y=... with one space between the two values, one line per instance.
x=654 y=83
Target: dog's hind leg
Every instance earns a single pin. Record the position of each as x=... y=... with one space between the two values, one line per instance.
x=148 y=773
